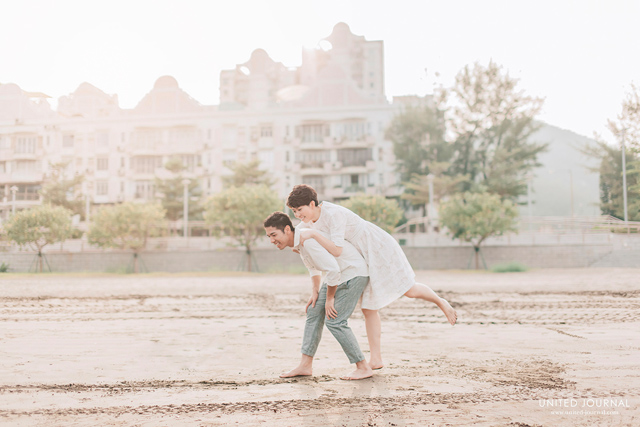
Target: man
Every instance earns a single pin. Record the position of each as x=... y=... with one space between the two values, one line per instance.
x=345 y=278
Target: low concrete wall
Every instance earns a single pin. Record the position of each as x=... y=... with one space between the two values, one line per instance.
x=555 y=256
x=272 y=260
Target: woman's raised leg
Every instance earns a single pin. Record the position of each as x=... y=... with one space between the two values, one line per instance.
x=374 y=331
x=424 y=292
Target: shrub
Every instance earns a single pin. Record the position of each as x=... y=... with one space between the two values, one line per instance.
x=509 y=267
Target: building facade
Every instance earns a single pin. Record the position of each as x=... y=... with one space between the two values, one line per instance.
x=321 y=124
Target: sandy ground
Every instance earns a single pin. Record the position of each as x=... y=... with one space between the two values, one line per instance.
x=548 y=347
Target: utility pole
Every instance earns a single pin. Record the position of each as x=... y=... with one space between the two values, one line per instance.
x=624 y=178
x=185 y=206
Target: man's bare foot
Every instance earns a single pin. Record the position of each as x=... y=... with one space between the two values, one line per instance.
x=297 y=372
x=359 y=374
x=376 y=364
x=451 y=314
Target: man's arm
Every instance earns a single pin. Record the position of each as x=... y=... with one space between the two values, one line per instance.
x=315 y=290
x=324 y=261
x=329 y=306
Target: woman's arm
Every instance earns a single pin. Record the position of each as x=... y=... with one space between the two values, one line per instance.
x=331 y=247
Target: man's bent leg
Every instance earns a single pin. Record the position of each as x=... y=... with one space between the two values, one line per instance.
x=346 y=299
x=314 y=324
x=311 y=337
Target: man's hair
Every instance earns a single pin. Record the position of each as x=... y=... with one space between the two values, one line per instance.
x=278 y=220
x=302 y=195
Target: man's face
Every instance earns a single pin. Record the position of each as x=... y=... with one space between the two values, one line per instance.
x=279 y=238
x=304 y=213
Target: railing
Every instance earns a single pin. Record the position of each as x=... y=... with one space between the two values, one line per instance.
x=547 y=225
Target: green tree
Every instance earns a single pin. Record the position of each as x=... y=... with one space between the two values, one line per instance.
x=238 y=212
x=473 y=217
x=417 y=189
x=246 y=174
x=491 y=123
x=172 y=191
x=39 y=227
x=383 y=212
x=57 y=190
x=417 y=134
x=626 y=127
x=127 y=226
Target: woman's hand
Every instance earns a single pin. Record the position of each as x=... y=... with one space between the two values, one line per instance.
x=307 y=234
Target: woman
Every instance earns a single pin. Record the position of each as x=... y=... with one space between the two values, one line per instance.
x=390 y=274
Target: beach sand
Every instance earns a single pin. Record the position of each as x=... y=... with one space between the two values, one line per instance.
x=545 y=347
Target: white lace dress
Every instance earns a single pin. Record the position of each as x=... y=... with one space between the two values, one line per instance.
x=390 y=274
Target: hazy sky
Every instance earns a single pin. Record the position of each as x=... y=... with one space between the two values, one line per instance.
x=579 y=55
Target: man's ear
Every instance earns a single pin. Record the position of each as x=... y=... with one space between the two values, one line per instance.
x=312 y=204
x=285 y=229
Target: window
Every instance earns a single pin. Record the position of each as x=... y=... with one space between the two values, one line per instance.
x=312 y=133
x=314 y=158
x=4 y=142
x=315 y=181
x=26 y=166
x=145 y=190
x=190 y=161
x=147 y=139
x=354 y=156
x=102 y=188
x=102 y=164
x=352 y=131
x=121 y=162
x=266 y=131
x=3 y=169
x=67 y=140
x=26 y=145
x=146 y=164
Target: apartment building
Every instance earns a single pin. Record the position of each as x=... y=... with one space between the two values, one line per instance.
x=321 y=123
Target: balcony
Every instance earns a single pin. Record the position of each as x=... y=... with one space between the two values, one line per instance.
x=28 y=156
x=354 y=142
x=26 y=196
x=22 y=177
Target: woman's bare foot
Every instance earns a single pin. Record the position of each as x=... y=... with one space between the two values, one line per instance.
x=359 y=374
x=448 y=311
x=300 y=371
x=376 y=364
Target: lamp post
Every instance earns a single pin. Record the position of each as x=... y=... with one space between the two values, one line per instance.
x=185 y=206
x=14 y=190
x=430 y=209
x=87 y=202
x=529 y=178
x=624 y=178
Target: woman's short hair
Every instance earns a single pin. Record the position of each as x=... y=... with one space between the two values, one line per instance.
x=302 y=195
x=278 y=220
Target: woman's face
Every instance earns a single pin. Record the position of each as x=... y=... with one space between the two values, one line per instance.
x=305 y=213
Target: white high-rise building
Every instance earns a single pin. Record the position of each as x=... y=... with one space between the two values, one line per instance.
x=321 y=124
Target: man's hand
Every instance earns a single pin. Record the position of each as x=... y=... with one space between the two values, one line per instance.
x=330 y=309
x=312 y=301
x=306 y=234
